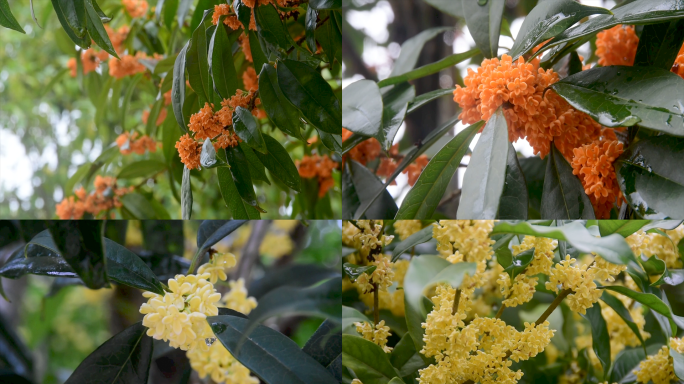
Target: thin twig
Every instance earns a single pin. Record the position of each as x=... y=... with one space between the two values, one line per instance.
x=376 y=307
x=250 y=253
x=457 y=299
x=553 y=306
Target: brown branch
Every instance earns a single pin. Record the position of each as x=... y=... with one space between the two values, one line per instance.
x=457 y=299
x=250 y=252
x=376 y=307
x=553 y=306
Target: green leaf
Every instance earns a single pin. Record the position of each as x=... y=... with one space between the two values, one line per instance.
x=423 y=198
x=125 y=358
x=599 y=336
x=678 y=360
x=648 y=299
x=563 y=197
x=425 y=98
x=410 y=51
x=127 y=99
x=239 y=209
x=294 y=274
x=451 y=7
x=279 y=163
x=362 y=108
x=365 y=183
x=395 y=103
x=66 y=14
x=310 y=27
x=221 y=65
x=625 y=362
x=330 y=141
x=420 y=237
x=368 y=361
x=198 y=65
x=623 y=312
x=519 y=263
x=425 y=272
x=246 y=128
x=211 y=232
x=351 y=316
x=452 y=275
x=306 y=89
x=659 y=44
x=270 y=28
x=283 y=114
x=269 y=354
x=514 y=200
x=256 y=167
x=652 y=265
x=96 y=29
x=484 y=178
x=240 y=171
x=405 y=358
x=417 y=150
x=613 y=248
x=325 y=346
x=178 y=87
x=243 y=13
x=622 y=227
x=186 y=195
x=139 y=206
x=429 y=69
x=504 y=256
x=484 y=23
x=142 y=168
x=354 y=271
x=325 y=4
x=652 y=187
x=548 y=19
x=257 y=54
x=7 y=19
x=618 y=96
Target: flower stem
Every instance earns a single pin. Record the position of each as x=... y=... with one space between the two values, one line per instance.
x=376 y=308
x=500 y=311
x=457 y=298
x=553 y=306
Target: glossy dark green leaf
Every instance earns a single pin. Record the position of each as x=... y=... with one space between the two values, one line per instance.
x=82 y=246
x=243 y=13
x=410 y=50
x=659 y=44
x=240 y=171
x=563 y=197
x=648 y=299
x=368 y=361
x=621 y=227
x=405 y=358
x=484 y=24
x=258 y=55
x=330 y=141
x=423 y=198
x=325 y=4
x=221 y=65
x=142 y=168
x=186 y=195
x=198 y=66
x=678 y=363
x=613 y=248
x=310 y=27
x=66 y=14
x=269 y=354
x=618 y=96
x=599 y=336
x=246 y=128
x=575 y=64
x=504 y=256
x=329 y=36
x=40 y=265
x=238 y=208
x=279 y=163
x=354 y=271
x=325 y=346
x=283 y=114
x=256 y=168
x=270 y=28
x=211 y=232
x=362 y=108
x=425 y=98
x=625 y=362
x=306 y=89
x=350 y=199
x=417 y=150
x=124 y=358
x=139 y=206
x=429 y=69
x=395 y=103
x=351 y=316
x=484 y=178
x=420 y=237
x=519 y=263
x=7 y=19
x=365 y=183
x=178 y=87
x=294 y=274
x=548 y=19
x=653 y=188
x=514 y=200
x=96 y=29
x=623 y=312
x=652 y=265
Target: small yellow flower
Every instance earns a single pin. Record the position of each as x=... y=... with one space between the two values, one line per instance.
x=657 y=368
x=406 y=228
x=377 y=334
x=237 y=300
x=217 y=266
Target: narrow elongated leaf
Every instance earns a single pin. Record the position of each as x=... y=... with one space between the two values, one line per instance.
x=239 y=209
x=211 y=232
x=39 y=265
x=484 y=24
x=405 y=358
x=186 y=195
x=198 y=66
x=648 y=299
x=514 y=200
x=243 y=13
x=365 y=183
x=257 y=54
x=82 y=246
x=270 y=28
x=519 y=263
x=65 y=14
x=283 y=114
x=351 y=316
x=613 y=248
x=354 y=271
x=423 y=198
x=221 y=65
x=451 y=7
x=362 y=108
x=484 y=178
x=678 y=360
x=96 y=29
x=452 y=275
x=563 y=197
x=178 y=87
x=279 y=163
x=625 y=362
x=599 y=336
x=368 y=361
x=618 y=96
x=297 y=275
x=256 y=167
x=325 y=4
x=246 y=128
x=7 y=19
x=623 y=312
x=272 y=356
x=240 y=171
x=306 y=89
x=651 y=186
x=419 y=275
x=310 y=27
x=621 y=227
x=127 y=98
x=410 y=50
x=142 y=168
x=425 y=98
x=659 y=44
x=124 y=358
x=429 y=69
x=325 y=346
x=420 y=237
x=548 y=19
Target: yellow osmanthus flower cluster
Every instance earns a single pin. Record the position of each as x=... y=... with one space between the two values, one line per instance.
x=406 y=228
x=650 y=244
x=656 y=368
x=377 y=333
x=237 y=298
x=216 y=267
x=465 y=240
x=382 y=276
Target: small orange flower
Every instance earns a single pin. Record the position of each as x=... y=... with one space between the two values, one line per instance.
x=189 y=151
x=365 y=151
x=678 y=66
x=415 y=169
x=204 y=124
x=135 y=8
x=250 y=79
x=104 y=198
x=117 y=37
x=160 y=118
x=246 y=49
x=226 y=139
x=320 y=167
x=128 y=65
x=617 y=46
x=593 y=164
x=386 y=168
x=226 y=10
x=129 y=143
x=70 y=208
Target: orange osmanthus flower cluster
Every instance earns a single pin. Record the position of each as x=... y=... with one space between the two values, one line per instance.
x=208 y=124
x=618 y=46
x=320 y=167
x=593 y=164
x=250 y=79
x=104 y=198
x=128 y=65
x=118 y=37
x=90 y=58
x=135 y=8
x=129 y=143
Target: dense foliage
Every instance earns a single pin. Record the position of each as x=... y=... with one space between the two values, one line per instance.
x=606 y=130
